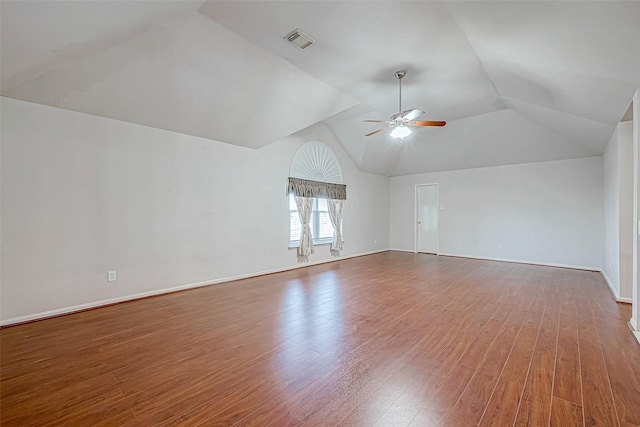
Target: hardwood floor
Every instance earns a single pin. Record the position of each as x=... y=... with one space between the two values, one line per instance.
x=392 y=339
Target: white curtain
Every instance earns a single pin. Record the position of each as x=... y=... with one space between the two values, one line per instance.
x=305 y=207
x=335 y=213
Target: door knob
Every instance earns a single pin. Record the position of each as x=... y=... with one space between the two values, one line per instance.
x=419 y=222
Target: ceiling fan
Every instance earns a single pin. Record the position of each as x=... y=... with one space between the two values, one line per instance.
x=402 y=121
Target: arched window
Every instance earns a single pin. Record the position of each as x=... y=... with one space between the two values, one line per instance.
x=316 y=199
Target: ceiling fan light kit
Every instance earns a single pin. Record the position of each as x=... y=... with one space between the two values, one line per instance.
x=400 y=132
x=403 y=120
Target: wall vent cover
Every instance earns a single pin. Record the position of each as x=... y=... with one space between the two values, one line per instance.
x=299 y=39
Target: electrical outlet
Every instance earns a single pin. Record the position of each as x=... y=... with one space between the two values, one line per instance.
x=375 y=240
x=112 y=276
x=500 y=246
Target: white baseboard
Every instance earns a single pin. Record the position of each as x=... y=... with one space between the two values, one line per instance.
x=614 y=291
x=110 y=301
x=280 y=270
x=402 y=250
x=634 y=330
x=518 y=261
x=95 y=304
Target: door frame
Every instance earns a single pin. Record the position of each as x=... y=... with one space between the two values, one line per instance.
x=415 y=216
x=634 y=322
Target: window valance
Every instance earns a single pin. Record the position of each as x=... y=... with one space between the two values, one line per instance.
x=308 y=188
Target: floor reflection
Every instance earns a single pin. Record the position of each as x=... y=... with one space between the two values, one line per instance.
x=311 y=317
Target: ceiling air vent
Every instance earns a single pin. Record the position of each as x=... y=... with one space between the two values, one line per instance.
x=299 y=39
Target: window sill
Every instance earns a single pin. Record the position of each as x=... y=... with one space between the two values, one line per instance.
x=325 y=242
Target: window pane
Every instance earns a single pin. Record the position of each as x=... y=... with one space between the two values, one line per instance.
x=325 y=227
x=294 y=221
x=320 y=222
x=322 y=204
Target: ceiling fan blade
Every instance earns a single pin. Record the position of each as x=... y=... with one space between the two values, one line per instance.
x=411 y=114
x=379 y=130
x=377 y=121
x=427 y=123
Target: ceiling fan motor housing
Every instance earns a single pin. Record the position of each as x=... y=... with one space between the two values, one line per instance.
x=403 y=119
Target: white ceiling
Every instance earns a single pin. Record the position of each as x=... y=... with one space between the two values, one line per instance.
x=516 y=81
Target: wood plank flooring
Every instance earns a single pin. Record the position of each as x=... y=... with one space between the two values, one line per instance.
x=392 y=339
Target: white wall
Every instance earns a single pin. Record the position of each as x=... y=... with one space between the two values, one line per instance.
x=548 y=212
x=611 y=216
x=618 y=212
x=83 y=194
x=635 y=308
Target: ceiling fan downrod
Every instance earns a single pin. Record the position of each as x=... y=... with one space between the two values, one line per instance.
x=399 y=75
x=402 y=121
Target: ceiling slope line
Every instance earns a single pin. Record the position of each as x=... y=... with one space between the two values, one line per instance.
x=573 y=74
x=558 y=134
x=475 y=53
x=63 y=57
x=555 y=110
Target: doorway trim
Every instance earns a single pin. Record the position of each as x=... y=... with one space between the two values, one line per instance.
x=415 y=216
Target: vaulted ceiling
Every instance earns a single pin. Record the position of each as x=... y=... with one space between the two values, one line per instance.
x=516 y=81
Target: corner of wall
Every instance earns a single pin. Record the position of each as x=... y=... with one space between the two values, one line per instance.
x=612 y=288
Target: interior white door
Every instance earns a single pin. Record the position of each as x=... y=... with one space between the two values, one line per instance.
x=427 y=217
